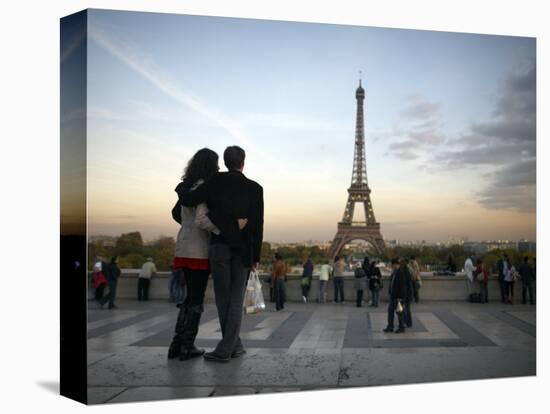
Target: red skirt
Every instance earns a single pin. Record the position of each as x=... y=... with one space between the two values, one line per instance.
x=190 y=263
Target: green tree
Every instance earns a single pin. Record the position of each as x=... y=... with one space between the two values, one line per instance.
x=129 y=243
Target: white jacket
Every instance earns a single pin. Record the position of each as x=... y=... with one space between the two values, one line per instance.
x=469 y=269
x=194 y=234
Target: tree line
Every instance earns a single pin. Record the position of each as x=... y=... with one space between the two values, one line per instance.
x=132 y=253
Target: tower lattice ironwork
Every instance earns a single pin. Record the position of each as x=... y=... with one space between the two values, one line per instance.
x=358 y=192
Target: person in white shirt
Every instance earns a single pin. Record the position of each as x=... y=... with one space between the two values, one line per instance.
x=469 y=270
x=144 y=278
x=324 y=276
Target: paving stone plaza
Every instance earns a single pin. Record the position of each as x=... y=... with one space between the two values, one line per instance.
x=306 y=347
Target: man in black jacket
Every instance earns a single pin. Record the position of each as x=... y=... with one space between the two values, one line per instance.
x=230 y=196
x=398 y=290
x=527 y=280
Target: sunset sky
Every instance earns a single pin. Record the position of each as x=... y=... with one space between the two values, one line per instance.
x=449 y=123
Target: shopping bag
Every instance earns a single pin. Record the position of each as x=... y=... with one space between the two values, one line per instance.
x=253 y=297
x=399 y=307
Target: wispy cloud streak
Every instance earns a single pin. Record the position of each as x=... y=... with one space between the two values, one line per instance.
x=145 y=67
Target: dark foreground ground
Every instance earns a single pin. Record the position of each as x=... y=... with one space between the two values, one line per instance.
x=306 y=347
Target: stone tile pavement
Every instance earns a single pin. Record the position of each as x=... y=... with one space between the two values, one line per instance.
x=306 y=347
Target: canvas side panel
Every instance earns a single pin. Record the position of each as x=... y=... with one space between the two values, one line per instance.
x=73 y=263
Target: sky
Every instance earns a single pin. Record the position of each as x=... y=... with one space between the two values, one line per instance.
x=449 y=123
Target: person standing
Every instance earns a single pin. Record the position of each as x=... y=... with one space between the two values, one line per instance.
x=397 y=290
x=190 y=261
x=144 y=278
x=99 y=281
x=414 y=268
x=360 y=283
x=278 y=278
x=112 y=274
x=408 y=294
x=482 y=276
x=230 y=196
x=324 y=276
x=375 y=283
x=527 y=276
x=503 y=266
x=469 y=271
x=339 y=267
x=307 y=275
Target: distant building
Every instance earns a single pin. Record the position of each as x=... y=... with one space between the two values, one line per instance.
x=526 y=246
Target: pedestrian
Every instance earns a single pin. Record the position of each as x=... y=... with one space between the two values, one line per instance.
x=307 y=275
x=236 y=251
x=339 y=267
x=408 y=295
x=375 y=283
x=144 y=278
x=367 y=268
x=482 y=277
x=503 y=266
x=112 y=274
x=99 y=281
x=527 y=276
x=278 y=278
x=414 y=268
x=324 y=276
x=360 y=283
x=176 y=286
x=397 y=290
x=469 y=271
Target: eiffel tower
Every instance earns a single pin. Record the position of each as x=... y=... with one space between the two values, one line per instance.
x=358 y=192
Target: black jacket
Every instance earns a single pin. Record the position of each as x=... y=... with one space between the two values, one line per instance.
x=230 y=196
x=401 y=285
x=526 y=272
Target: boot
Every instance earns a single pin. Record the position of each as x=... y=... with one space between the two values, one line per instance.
x=188 y=349
x=175 y=347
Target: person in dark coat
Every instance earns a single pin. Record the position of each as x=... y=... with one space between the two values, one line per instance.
x=408 y=295
x=360 y=283
x=503 y=265
x=112 y=273
x=527 y=275
x=397 y=292
x=307 y=275
x=230 y=196
x=375 y=283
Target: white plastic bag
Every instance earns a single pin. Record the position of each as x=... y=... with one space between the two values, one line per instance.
x=253 y=297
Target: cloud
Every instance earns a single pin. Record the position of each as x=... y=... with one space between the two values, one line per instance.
x=420 y=109
x=144 y=66
x=506 y=143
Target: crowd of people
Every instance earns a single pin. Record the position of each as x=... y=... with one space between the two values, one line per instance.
x=477 y=273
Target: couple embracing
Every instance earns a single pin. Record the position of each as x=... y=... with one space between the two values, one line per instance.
x=221 y=217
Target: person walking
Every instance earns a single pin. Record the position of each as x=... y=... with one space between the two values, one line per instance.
x=375 y=283
x=414 y=268
x=503 y=266
x=278 y=278
x=190 y=263
x=112 y=274
x=324 y=276
x=360 y=283
x=144 y=279
x=339 y=267
x=307 y=275
x=230 y=198
x=397 y=291
x=527 y=276
x=482 y=276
